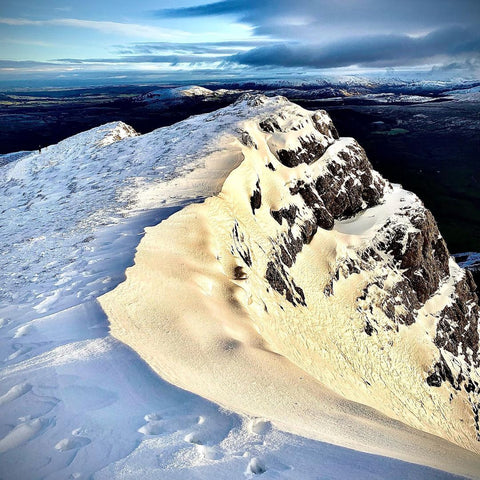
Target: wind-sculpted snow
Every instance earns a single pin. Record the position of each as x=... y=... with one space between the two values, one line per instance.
x=336 y=269
x=289 y=294
x=94 y=179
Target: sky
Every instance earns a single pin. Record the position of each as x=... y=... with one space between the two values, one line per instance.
x=189 y=39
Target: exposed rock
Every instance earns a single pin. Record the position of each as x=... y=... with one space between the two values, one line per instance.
x=247 y=140
x=240 y=245
x=457 y=329
x=311 y=149
x=349 y=187
x=256 y=198
x=276 y=279
x=289 y=214
x=269 y=125
x=441 y=373
x=326 y=128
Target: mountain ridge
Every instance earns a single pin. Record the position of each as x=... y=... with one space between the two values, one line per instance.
x=54 y=333
x=301 y=190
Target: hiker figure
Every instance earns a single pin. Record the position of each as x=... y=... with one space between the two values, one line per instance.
x=39 y=149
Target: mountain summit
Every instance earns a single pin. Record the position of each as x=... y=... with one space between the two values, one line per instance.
x=303 y=251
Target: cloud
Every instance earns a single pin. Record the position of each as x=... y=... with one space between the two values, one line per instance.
x=344 y=33
x=127 y=29
x=368 y=51
x=20 y=41
x=471 y=67
x=319 y=19
x=199 y=48
x=21 y=64
x=171 y=59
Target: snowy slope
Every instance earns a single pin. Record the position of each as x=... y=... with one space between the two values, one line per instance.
x=471 y=94
x=76 y=403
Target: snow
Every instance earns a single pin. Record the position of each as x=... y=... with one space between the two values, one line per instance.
x=77 y=403
x=11 y=157
x=471 y=94
x=392 y=98
x=178 y=94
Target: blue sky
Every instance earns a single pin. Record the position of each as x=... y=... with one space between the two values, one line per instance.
x=234 y=38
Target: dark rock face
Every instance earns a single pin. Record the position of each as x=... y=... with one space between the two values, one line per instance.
x=349 y=188
x=247 y=140
x=346 y=188
x=441 y=373
x=457 y=330
x=278 y=281
x=312 y=199
x=425 y=259
x=256 y=198
x=419 y=253
x=311 y=150
x=271 y=167
x=311 y=147
x=289 y=214
x=239 y=273
x=270 y=125
x=287 y=247
x=325 y=128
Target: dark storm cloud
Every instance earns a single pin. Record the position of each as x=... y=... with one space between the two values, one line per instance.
x=368 y=51
x=312 y=18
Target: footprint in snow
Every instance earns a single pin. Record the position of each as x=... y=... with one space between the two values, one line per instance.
x=23 y=331
x=194 y=437
x=15 y=392
x=23 y=433
x=154 y=425
x=209 y=452
x=259 y=426
x=151 y=428
x=19 y=351
x=72 y=443
x=256 y=466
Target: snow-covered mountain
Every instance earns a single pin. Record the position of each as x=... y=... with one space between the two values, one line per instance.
x=304 y=289
x=471 y=94
x=340 y=272
x=180 y=94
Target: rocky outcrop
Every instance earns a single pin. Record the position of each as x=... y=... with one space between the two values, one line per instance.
x=405 y=264
x=457 y=329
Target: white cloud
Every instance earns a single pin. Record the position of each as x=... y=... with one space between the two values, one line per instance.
x=128 y=29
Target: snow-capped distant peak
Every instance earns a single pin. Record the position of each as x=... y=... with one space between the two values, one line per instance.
x=178 y=94
x=195 y=91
